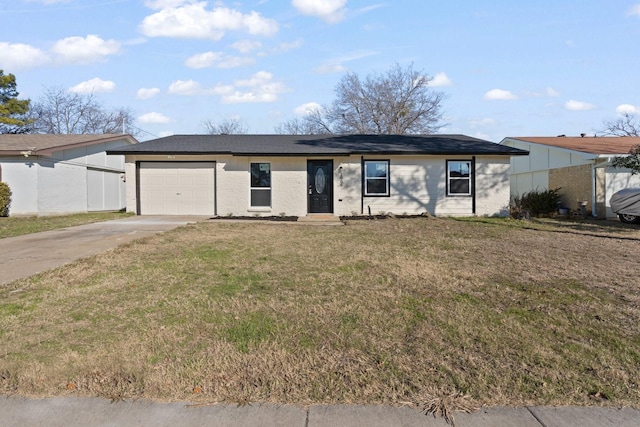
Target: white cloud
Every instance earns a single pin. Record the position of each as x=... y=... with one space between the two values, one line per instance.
x=482 y=122
x=18 y=57
x=249 y=97
x=154 y=118
x=330 y=11
x=259 y=78
x=193 y=88
x=195 y=21
x=287 y=46
x=552 y=92
x=634 y=10
x=499 y=95
x=163 y=4
x=222 y=89
x=306 y=109
x=209 y=59
x=47 y=2
x=235 y=62
x=185 y=87
x=259 y=88
x=627 y=109
x=439 y=80
x=87 y=50
x=578 y=106
x=95 y=85
x=481 y=135
x=246 y=46
x=335 y=65
x=330 y=68
x=548 y=92
x=202 y=60
x=147 y=93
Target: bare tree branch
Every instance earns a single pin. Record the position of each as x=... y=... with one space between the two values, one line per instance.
x=226 y=127
x=397 y=102
x=61 y=112
x=626 y=125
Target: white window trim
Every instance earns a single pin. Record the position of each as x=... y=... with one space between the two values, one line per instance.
x=470 y=178
x=253 y=208
x=387 y=178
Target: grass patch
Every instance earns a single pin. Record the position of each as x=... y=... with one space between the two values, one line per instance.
x=19 y=225
x=483 y=311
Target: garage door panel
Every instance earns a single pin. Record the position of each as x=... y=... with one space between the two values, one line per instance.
x=175 y=188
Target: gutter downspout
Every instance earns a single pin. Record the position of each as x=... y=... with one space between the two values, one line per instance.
x=473 y=185
x=215 y=188
x=137 y=187
x=361 y=185
x=594 y=185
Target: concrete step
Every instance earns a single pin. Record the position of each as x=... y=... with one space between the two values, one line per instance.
x=328 y=218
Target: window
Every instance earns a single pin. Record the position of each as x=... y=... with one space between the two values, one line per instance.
x=260 y=185
x=376 y=177
x=458 y=178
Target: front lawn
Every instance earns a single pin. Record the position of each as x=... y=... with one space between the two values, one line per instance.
x=396 y=311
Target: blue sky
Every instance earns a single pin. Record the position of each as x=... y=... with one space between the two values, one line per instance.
x=507 y=68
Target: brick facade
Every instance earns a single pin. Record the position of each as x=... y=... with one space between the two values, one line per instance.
x=574 y=183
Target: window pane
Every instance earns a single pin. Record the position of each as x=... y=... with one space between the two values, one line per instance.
x=459 y=186
x=260 y=175
x=261 y=198
x=376 y=169
x=376 y=186
x=459 y=169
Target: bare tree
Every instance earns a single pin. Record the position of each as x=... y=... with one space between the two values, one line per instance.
x=625 y=125
x=226 y=127
x=62 y=112
x=311 y=124
x=397 y=102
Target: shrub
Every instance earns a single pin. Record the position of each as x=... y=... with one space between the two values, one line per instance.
x=535 y=203
x=5 y=199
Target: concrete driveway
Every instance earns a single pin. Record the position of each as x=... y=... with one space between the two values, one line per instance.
x=27 y=255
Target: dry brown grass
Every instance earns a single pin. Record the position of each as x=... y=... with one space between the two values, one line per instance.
x=442 y=313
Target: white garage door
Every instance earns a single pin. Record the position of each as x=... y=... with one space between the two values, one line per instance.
x=176 y=188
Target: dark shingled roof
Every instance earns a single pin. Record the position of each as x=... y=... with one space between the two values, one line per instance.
x=318 y=145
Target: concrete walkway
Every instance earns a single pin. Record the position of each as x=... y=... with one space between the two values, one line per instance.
x=24 y=256
x=76 y=412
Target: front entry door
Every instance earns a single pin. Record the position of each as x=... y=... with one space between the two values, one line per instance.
x=320 y=186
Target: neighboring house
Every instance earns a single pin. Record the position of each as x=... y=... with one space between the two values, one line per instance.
x=580 y=166
x=55 y=174
x=271 y=175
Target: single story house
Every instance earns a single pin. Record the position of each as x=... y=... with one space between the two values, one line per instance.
x=293 y=175
x=579 y=165
x=57 y=174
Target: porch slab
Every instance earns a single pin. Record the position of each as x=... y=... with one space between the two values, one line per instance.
x=321 y=218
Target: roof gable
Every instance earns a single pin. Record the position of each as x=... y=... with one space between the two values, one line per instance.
x=601 y=145
x=318 y=145
x=46 y=144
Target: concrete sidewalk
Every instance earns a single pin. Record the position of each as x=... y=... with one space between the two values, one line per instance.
x=24 y=256
x=76 y=412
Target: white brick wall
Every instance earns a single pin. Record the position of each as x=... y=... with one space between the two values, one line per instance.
x=418 y=184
